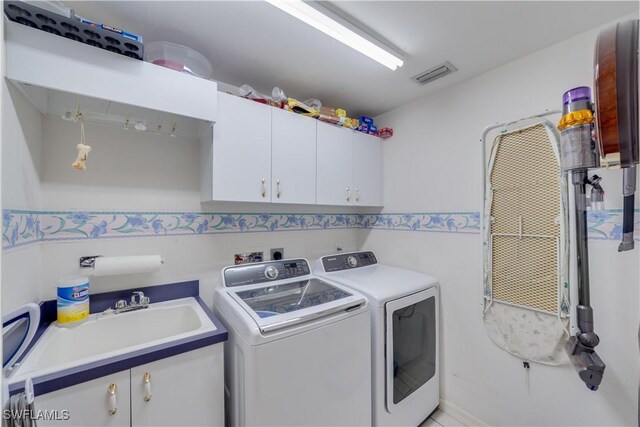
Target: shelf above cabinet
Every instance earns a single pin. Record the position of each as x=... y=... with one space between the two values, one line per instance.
x=64 y=105
x=56 y=73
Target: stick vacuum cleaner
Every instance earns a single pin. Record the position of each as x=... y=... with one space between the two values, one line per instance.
x=579 y=153
x=594 y=135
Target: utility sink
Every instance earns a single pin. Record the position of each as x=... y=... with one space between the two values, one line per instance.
x=106 y=336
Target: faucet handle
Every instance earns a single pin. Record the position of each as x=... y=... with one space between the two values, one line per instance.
x=145 y=301
x=120 y=304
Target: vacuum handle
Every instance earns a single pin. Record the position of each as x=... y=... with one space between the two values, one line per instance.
x=627 y=221
x=627 y=224
x=629 y=188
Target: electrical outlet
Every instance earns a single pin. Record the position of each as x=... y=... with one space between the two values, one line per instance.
x=277 y=254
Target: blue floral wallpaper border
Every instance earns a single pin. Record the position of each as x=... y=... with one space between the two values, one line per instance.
x=23 y=227
x=439 y=222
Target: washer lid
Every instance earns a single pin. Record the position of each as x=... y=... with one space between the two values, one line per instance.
x=382 y=283
x=283 y=304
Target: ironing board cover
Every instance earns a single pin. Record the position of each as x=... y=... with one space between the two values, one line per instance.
x=525 y=233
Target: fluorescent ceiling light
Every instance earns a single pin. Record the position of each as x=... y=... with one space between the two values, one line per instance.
x=332 y=25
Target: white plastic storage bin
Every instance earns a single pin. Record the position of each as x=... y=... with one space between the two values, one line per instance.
x=178 y=57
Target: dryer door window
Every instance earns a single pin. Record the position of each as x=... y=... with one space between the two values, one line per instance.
x=411 y=345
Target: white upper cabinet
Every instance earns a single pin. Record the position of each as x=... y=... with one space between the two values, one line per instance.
x=293 y=158
x=367 y=169
x=55 y=63
x=256 y=153
x=334 y=176
x=349 y=167
x=241 y=151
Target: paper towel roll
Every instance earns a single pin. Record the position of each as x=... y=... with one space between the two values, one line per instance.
x=110 y=266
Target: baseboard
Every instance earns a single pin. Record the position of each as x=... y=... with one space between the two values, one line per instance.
x=460 y=414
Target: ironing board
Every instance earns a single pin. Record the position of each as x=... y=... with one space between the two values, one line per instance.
x=525 y=244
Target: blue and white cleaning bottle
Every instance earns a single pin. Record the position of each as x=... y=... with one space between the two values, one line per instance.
x=73 y=300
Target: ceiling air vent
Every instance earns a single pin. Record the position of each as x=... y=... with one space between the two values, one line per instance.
x=434 y=73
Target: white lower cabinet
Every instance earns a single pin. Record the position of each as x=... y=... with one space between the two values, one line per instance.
x=187 y=389
x=178 y=391
x=104 y=401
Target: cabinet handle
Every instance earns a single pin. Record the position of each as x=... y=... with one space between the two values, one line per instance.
x=357 y=194
x=264 y=190
x=147 y=386
x=278 y=189
x=113 y=407
x=348 y=194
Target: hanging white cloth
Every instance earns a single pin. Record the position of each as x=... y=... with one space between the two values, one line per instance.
x=22 y=412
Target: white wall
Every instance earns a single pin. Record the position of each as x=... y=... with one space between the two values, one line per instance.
x=128 y=171
x=21 y=157
x=133 y=171
x=433 y=164
x=186 y=257
x=21 y=150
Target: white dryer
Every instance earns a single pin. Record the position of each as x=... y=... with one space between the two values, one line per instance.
x=404 y=325
x=297 y=354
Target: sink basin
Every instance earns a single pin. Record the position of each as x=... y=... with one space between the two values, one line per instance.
x=105 y=336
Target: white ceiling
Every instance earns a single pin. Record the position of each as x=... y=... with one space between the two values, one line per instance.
x=255 y=43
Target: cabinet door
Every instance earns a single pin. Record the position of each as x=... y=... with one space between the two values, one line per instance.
x=88 y=404
x=184 y=390
x=241 y=151
x=293 y=158
x=367 y=169
x=334 y=150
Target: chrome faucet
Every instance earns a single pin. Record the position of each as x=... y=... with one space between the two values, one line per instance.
x=138 y=302
x=141 y=300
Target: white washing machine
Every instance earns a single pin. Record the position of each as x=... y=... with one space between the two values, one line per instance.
x=404 y=325
x=297 y=354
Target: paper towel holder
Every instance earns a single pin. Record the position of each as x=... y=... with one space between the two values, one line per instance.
x=88 y=261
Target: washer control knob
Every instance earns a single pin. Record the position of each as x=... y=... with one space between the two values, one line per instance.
x=353 y=262
x=271 y=272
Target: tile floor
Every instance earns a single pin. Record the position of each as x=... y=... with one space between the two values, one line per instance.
x=440 y=419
